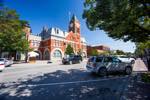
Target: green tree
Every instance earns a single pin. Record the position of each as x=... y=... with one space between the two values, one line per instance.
x=129 y=54
x=140 y=48
x=105 y=53
x=128 y=20
x=69 y=50
x=12 y=37
x=120 y=52
x=141 y=51
x=94 y=52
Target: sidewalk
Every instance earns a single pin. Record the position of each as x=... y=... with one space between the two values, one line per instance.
x=139 y=66
x=136 y=89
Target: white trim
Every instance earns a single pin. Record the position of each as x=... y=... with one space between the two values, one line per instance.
x=54 y=51
x=57 y=38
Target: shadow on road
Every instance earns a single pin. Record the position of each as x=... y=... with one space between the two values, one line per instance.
x=137 y=90
x=63 y=85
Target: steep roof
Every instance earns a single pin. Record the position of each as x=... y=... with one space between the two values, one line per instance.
x=74 y=18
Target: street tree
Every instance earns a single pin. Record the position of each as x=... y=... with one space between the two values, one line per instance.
x=120 y=52
x=141 y=47
x=128 y=20
x=143 y=50
x=94 y=52
x=12 y=37
x=69 y=50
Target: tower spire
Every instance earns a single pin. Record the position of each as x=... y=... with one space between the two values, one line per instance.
x=74 y=25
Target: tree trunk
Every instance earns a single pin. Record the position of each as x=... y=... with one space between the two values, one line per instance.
x=26 y=57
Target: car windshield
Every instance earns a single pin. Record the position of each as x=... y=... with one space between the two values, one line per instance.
x=1 y=59
x=91 y=59
x=99 y=59
x=123 y=57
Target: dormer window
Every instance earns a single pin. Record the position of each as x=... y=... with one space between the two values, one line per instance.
x=57 y=31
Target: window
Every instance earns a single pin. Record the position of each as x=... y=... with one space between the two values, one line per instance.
x=56 y=31
x=116 y=60
x=57 y=54
x=33 y=43
x=56 y=43
x=99 y=59
x=108 y=59
x=91 y=59
x=1 y=59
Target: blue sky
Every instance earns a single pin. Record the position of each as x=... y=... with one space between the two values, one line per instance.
x=55 y=13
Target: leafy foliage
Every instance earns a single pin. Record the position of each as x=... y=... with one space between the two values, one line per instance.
x=140 y=48
x=145 y=77
x=119 y=52
x=120 y=19
x=69 y=50
x=94 y=52
x=12 y=37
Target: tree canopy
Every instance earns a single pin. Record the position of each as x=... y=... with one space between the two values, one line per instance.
x=12 y=37
x=128 y=20
x=141 y=47
x=120 y=52
x=94 y=52
x=69 y=50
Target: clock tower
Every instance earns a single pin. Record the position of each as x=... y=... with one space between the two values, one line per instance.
x=74 y=25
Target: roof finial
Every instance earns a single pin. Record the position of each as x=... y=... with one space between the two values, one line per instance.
x=74 y=18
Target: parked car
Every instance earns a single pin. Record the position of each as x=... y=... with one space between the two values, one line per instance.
x=2 y=66
x=127 y=59
x=72 y=59
x=104 y=65
x=6 y=62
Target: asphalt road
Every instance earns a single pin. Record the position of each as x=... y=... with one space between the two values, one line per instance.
x=55 y=82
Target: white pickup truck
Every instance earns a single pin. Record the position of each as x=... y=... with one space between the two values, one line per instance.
x=126 y=59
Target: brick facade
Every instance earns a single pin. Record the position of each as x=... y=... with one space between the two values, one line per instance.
x=100 y=49
x=54 y=41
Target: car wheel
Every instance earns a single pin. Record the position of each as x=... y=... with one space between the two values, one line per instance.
x=128 y=70
x=102 y=72
x=70 y=62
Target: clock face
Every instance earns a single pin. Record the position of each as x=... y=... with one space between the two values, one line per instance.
x=77 y=24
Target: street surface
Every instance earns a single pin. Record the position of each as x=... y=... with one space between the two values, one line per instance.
x=54 y=81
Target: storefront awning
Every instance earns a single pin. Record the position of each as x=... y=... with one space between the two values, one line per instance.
x=32 y=54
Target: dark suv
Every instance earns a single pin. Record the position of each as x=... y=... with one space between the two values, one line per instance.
x=72 y=59
x=103 y=65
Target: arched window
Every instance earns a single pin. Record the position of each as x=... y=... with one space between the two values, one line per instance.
x=46 y=55
x=57 y=54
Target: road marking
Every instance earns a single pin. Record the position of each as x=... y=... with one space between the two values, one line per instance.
x=75 y=82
